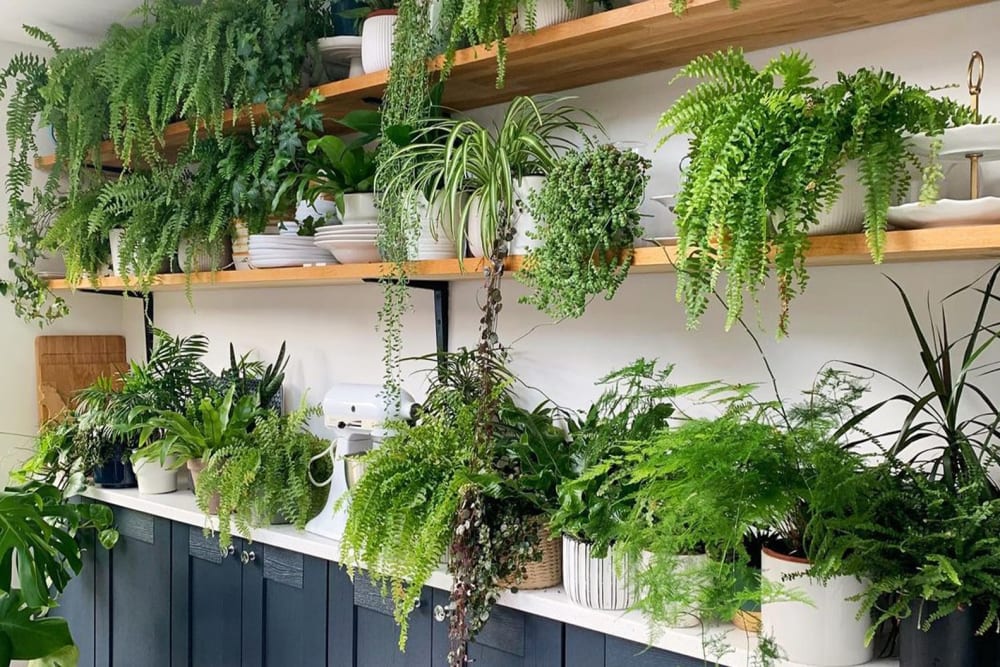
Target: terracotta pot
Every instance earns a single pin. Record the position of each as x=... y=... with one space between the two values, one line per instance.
x=196 y=466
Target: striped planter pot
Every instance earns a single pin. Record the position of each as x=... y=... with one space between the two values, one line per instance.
x=593 y=582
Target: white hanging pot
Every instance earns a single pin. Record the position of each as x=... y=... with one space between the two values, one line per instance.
x=847 y=215
x=377 y=36
x=825 y=633
x=360 y=209
x=524 y=221
x=202 y=259
x=154 y=478
x=595 y=582
x=551 y=12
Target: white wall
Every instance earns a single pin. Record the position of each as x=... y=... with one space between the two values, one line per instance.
x=847 y=312
x=90 y=315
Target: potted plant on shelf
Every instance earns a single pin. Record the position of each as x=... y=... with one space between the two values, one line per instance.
x=474 y=168
x=926 y=537
x=766 y=150
x=377 y=33
x=588 y=221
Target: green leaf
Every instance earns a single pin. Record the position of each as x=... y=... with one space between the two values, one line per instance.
x=30 y=638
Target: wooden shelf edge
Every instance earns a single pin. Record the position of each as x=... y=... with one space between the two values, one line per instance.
x=938 y=244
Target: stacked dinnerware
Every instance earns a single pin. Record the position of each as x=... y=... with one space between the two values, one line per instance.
x=350 y=244
x=269 y=251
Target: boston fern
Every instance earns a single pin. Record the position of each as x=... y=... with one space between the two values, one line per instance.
x=588 y=219
x=766 y=148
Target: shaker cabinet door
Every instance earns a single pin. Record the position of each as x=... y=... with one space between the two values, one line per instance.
x=510 y=638
x=284 y=608
x=78 y=603
x=206 y=601
x=363 y=632
x=586 y=648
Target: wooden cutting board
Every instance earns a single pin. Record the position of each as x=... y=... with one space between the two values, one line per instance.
x=66 y=364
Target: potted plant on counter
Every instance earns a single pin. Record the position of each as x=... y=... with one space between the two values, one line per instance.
x=596 y=500
x=588 y=215
x=766 y=150
x=927 y=533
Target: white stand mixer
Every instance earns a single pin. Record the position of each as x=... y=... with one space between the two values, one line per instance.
x=356 y=413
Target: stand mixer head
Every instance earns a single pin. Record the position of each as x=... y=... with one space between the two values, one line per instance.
x=356 y=413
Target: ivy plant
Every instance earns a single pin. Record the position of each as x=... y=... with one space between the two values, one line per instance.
x=588 y=218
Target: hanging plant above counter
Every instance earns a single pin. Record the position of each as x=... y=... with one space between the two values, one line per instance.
x=766 y=149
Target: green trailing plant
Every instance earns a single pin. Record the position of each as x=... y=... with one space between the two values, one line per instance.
x=79 y=235
x=403 y=510
x=765 y=152
x=588 y=220
x=263 y=475
x=38 y=539
x=404 y=103
x=486 y=24
x=21 y=84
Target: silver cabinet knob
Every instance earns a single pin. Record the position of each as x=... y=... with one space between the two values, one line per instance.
x=440 y=613
x=247 y=557
x=417 y=603
x=231 y=551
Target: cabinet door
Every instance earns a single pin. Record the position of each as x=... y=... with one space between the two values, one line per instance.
x=133 y=593
x=206 y=601
x=362 y=631
x=585 y=648
x=509 y=639
x=284 y=608
x=78 y=603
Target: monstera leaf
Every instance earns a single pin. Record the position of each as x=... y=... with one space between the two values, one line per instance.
x=25 y=637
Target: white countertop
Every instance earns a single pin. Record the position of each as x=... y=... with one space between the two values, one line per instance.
x=550 y=603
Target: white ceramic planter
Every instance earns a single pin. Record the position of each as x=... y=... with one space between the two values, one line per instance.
x=826 y=633
x=847 y=215
x=475 y=230
x=359 y=209
x=377 y=36
x=115 y=236
x=524 y=221
x=202 y=259
x=320 y=210
x=594 y=582
x=439 y=228
x=551 y=12
x=153 y=478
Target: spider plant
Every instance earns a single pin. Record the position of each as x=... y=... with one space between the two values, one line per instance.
x=473 y=167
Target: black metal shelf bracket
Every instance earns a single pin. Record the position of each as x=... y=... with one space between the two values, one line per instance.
x=442 y=306
x=148 y=312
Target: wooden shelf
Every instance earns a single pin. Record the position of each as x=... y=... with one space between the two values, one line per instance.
x=947 y=243
x=635 y=39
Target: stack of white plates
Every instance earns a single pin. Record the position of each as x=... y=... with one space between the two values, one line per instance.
x=350 y=244
x=269 y=251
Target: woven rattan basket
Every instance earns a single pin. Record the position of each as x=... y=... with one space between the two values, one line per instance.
x=544 y=573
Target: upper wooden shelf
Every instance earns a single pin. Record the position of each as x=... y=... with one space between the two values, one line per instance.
x=635 y=39
x=973 y=242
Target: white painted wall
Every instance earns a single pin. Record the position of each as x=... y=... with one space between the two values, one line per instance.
x=90 y=315
x=848 y=312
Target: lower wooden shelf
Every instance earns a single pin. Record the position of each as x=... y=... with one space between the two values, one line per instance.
x=943 y=243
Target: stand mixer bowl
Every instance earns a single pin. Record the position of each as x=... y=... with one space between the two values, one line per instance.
x=354 y=469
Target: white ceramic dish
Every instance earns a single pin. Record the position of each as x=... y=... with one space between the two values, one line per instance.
x=340 y=48
x=958 y=142
x=352 y=252
x=946 y=213
x=282 y=263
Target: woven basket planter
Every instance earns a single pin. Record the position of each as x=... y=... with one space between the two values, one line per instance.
x=544 y=573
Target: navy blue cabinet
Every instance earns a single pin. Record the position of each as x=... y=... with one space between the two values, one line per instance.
x=585 y=648
x=510 y=638
x=362 y=631
x=167 y=596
